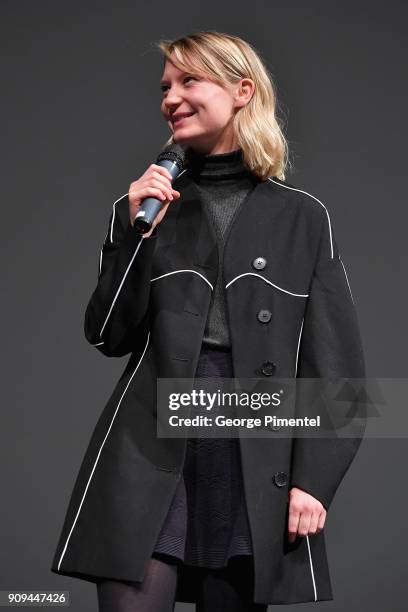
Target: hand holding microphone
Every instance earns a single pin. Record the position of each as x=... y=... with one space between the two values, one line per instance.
x=154 y=183
x=151 y=194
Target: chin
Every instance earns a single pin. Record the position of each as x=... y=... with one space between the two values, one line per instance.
x=186 y=137
x=183 y=139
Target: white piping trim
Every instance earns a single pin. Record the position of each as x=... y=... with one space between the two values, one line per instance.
x=113 y=215
x=311 y=568
x=99 y=453
x=266 y=281
x=100 y=261
x=307 y=537
x=351 y=295
x=110 y=230
x=120 y=286
x=298 y=345
x=98 y=344
x=312 y=196
x=182 y=172
x=177 y=271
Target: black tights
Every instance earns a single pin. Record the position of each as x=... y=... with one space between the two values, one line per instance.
x=221 y=590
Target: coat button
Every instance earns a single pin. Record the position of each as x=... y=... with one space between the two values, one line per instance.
x=281 y=479
x=268 y=368
x=264 y=316
x=259 y=263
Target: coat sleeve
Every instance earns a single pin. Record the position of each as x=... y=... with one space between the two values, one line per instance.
x=330 y=348
x=117 y=313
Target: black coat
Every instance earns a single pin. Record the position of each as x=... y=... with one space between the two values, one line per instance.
x=151 y=300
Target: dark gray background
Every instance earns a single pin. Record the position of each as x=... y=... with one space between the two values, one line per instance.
x=80 y=97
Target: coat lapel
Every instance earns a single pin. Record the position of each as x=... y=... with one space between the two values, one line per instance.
x=192 y=235
x=186 y=238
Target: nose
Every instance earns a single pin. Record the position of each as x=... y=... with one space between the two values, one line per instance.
x=172 y=99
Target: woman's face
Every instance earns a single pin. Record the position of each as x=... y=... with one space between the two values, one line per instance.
x=211 y=108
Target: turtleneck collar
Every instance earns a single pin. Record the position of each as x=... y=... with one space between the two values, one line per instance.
x=216 y=164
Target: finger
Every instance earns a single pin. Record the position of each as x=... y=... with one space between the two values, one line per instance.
x=322 y=520
x=166 y=180
x=313 y=523
x=304 y=523
x=163 y=181
x=161 y=177
x=163 y=185
x=161 y=170
x=293 y=522
x=149 y=191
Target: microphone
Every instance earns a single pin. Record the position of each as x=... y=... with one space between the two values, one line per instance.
x=172 y=157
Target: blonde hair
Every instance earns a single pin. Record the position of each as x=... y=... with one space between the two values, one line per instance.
x=226 y=58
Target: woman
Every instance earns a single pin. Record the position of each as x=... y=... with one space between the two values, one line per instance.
x=239 y=276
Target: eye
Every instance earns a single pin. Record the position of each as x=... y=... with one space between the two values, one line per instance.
x=186 y=78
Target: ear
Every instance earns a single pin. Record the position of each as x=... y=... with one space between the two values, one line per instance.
x=243 y=92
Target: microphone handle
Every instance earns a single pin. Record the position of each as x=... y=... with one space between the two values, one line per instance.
x=150 y=206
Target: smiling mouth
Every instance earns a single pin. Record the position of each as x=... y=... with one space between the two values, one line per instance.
x=178 y=121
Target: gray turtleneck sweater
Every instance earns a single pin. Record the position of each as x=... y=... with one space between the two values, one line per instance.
x=224 y=184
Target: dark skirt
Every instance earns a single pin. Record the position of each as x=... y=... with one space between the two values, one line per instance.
x=207 y=522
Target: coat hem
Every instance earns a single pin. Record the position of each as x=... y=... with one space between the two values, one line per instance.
x=94 y=578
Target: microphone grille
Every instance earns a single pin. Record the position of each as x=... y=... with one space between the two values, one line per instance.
x=175 y=153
